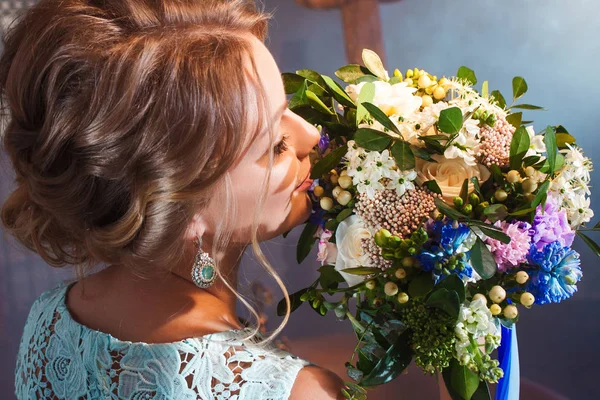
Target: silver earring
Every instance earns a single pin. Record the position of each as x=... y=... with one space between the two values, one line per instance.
x=203 y=271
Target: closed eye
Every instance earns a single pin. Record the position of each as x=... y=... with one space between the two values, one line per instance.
x=281 y=146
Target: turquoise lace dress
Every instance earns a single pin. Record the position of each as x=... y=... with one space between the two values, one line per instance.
x=59 y=358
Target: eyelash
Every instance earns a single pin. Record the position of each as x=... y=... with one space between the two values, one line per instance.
x=282 y=146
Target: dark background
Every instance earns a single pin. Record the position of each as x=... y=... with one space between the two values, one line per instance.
x=552 y=43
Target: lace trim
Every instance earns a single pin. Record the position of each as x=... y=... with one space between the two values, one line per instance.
x=60 y=358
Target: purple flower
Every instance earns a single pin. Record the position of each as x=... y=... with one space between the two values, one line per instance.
x=512 y=254
x=323 y=142
x=550 y=224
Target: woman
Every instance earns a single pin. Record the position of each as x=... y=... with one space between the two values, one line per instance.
x=151 y=138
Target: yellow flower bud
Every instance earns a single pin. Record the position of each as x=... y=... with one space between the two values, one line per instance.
x=522 y=277
x=344 y=197
x=409 y=82
x=334 y=179
x=336 y=191
x=529 y=185
x=409 y=73
x=397 y=73
x=527 y=299
x=530 y=171
x=427 y=101
x=390 y=289
x=408 y=262
x=400 y=273
x=344 y=172
x=497 y=294
x=500 y=195
x=443 y=81
x=424 y=81
x=345 y=181
x=439 y=93
x=402 y=298
x=480 y=296
x=326 y=203
x=495 y=309
x=318 y=191
x=371 y=284
x=513 y=176
x=511 y=311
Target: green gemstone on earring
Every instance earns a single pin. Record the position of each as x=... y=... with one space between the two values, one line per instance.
x=208 y=272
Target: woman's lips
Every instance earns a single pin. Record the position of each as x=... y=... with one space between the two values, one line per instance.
x=306 y=183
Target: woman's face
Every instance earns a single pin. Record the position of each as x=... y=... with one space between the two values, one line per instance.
x=287 y=203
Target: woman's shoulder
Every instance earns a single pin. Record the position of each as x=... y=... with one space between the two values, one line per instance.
x=316 y=383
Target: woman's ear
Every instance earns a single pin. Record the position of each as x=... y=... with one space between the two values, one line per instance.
x=196 y=227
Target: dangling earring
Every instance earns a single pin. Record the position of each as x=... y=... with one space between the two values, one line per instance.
x=203 y=271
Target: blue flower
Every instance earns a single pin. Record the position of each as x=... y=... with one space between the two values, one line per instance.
x=559 y=271
x=323 y=142
x=445 y=253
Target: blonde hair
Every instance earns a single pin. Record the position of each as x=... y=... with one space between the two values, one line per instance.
x=122 y=118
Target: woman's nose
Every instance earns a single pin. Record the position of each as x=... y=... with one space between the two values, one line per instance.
x=308 y=136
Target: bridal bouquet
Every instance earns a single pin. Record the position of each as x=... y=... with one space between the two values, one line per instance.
x=439 y=215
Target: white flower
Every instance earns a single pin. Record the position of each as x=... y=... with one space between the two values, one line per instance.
x=474 y=321
x=578 y=209
x=536 y=143
x=397 y=99
x=401 y=181
x=367 y=168
x=449 y=174
x=348 y=237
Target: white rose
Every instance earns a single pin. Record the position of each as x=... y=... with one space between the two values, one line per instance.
x=397 y=99
x=350 y=254
x=449 y=174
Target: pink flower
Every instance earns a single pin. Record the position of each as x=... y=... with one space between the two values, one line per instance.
x=510 y=255
x=327 y=251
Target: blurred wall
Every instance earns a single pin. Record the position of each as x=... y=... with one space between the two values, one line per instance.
x=551 y=43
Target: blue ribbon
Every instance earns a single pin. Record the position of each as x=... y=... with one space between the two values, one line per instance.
x=508 y=355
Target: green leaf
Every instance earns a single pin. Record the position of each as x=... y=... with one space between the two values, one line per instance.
x=528 y=107
x=306 y=242
x=292 y=82
x=476 y=185
x=551 y=148
x=482 y=260
x=295 y=302
x=316 y=102
x=485 y=89
x=455 y=284
x=451 y=120
x=367 y=78
x=519 y=87
x=497 y=174
x=524 y=211
x=350 y=73
x=328 y=162
x=395 y=360
x=562 y=139
x=449 y=211
x=433 y=186
x=591 y=243
x=482 y=392
x=445 y=300
x=422 y=153
x=495 y=212
x=460 y=381
x=299 y=98
x=338 y=93
x=467 y=74
x=312 y=76
x=372 y=139
x=518 y=147
x=405 y=159
x=545 y=167
x=515 y=119
x=541 y=194
x=492 y=232
x=319 y=90
x=499 y=98
x=421 y=285
x=366 y=95
x=345 y=213
x=329 y=277
x=380 y=116
x=361 y=270
x=464 y=190
x=374 y=64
